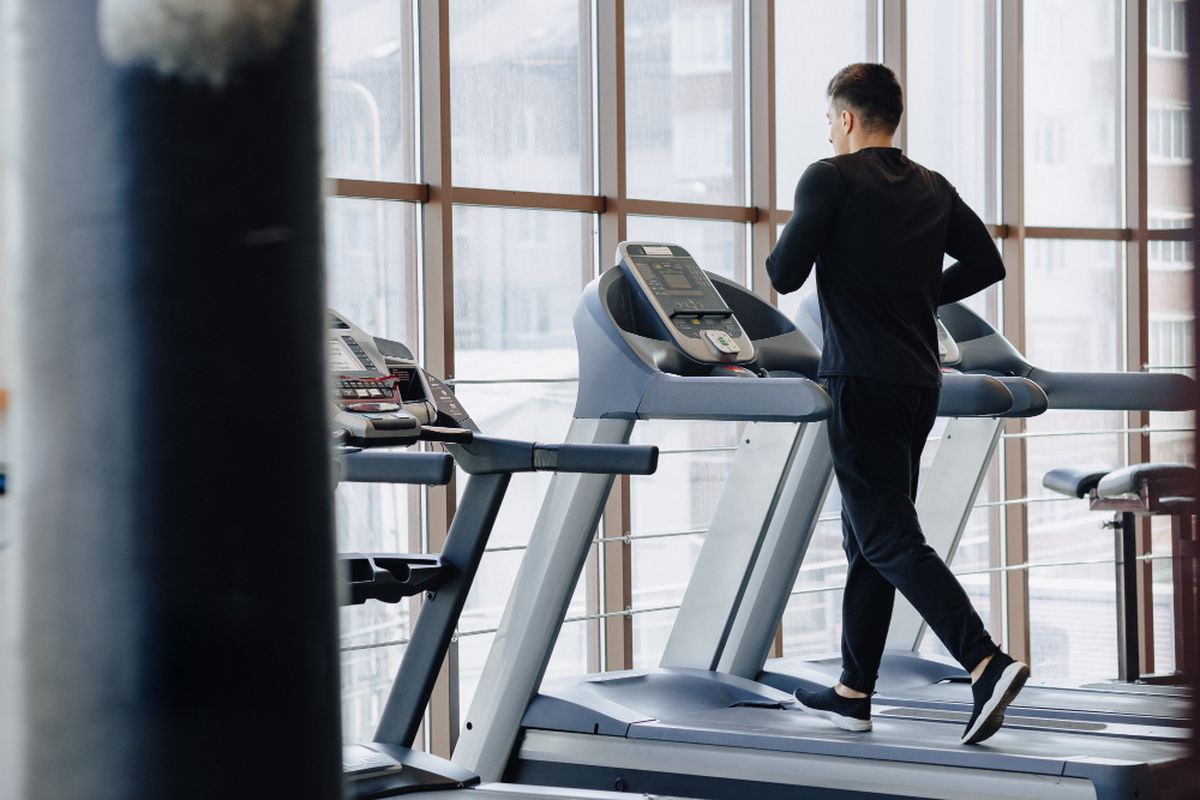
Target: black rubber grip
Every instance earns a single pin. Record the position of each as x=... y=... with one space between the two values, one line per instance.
x=1117 y=391
x=432 y=469
x=601 y=459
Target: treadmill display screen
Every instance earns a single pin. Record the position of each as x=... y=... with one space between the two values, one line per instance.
x=680 y=286
x=340 y=359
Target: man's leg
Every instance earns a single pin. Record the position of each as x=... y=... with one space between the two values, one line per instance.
x=875 y=445
x=867 y=604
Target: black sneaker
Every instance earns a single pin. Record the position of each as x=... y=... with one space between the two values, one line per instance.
x=849 y=714
x=1002 y=678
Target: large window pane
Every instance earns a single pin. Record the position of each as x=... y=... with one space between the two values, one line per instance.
x=1073 y=322
x=1167 y=116
x=1171 y=272
x=367 y=52
x=1171 y=345
x=812 y=621
x=678 y=500
x=716 y=246
x=518 y=276
x=371 y=257
x=1073 y=622
x=977 y=551
x=1073 y=113
x=372 y=518
x=367 y=672
x=951 y=96
x=684 y=123
x=520 y=95
x=813 y=40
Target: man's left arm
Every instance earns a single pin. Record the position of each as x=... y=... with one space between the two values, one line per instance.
x=817 y=196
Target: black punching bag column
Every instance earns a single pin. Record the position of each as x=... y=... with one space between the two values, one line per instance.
x=169 y=479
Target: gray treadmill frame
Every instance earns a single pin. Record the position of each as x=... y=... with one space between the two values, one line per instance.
x=570 y=513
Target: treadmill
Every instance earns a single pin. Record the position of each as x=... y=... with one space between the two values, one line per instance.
x=660 y=338
x=947 y=494
x=383 y=402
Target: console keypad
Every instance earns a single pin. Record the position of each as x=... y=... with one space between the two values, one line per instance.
x=352 y=389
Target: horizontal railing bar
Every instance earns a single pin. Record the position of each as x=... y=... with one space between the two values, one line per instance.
x=489 y=381
x=356 y=647
x=1045 y=564
x=1009 y=568
x=1146 y=429
x=661 y=535
x=1021 y=501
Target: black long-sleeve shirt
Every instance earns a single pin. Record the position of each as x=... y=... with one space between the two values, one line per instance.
x=878 y=225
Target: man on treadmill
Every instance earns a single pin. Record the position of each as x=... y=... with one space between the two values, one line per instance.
x=877 y=226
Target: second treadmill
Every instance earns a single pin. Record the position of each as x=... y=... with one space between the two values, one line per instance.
x=947 y=495
x=657 y=337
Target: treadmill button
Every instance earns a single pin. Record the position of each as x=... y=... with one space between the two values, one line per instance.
x=721 y=342
x=362 y=393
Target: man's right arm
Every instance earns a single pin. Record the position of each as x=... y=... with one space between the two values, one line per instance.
x=817 y=196
x=978 y=263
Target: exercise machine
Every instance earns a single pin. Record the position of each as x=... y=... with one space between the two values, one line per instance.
x=384 y=400
x=660 y=338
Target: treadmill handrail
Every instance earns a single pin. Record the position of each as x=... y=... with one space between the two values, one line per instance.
x=1029 y=399
x=394 y=466
x=796 y=399
x=973 y=396
x=1116 y=391
x=984 y=349
x=489 y=455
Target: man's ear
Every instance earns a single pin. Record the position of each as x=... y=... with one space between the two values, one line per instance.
x=847 y=120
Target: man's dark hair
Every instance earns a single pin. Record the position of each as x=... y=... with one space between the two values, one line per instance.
x=873 y=91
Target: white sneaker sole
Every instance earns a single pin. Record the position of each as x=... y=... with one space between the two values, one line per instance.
x=845 y=723
x=1011 y=681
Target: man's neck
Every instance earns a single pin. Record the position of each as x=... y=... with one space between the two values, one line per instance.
x=870 y=141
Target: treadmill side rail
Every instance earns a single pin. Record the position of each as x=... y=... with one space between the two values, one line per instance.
x=553 y=561
x=732 y=547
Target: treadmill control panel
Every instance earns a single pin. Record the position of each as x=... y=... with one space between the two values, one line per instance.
x=377 y=399
x=680 y=294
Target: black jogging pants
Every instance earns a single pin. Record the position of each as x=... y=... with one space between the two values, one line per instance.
x=876 y=433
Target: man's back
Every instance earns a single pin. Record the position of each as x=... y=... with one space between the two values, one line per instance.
x=878 y=225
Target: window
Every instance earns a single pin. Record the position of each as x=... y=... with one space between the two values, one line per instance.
x=684 y=123
x=813 y=40
x=700 y=38
x=369 y=91
x=520 y=95
x=1166 y=26
x=1072 y=322
x=950 y=97
x=1167 y=137
x=1072 y=97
